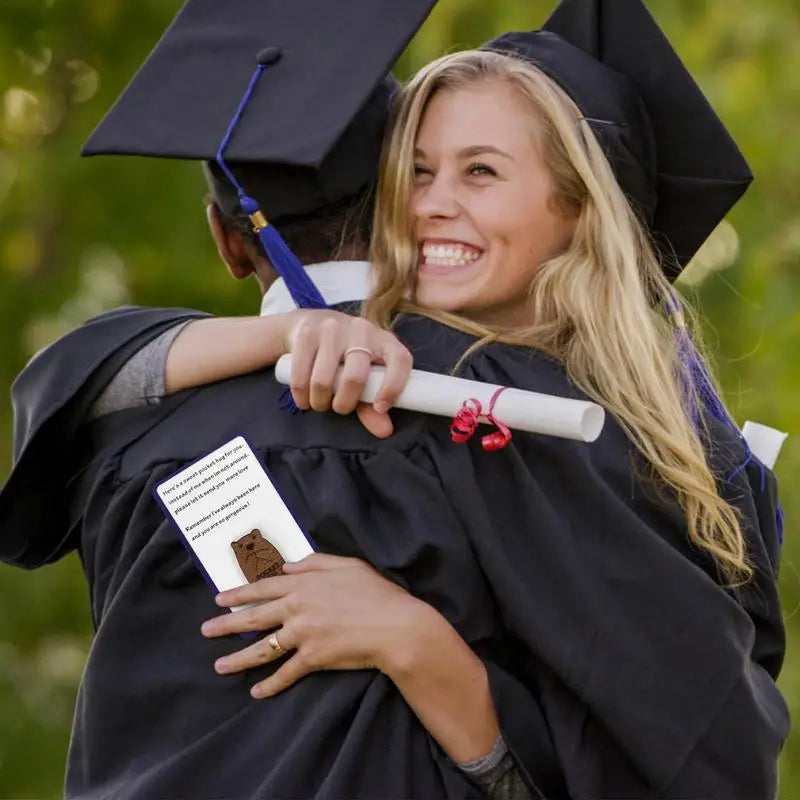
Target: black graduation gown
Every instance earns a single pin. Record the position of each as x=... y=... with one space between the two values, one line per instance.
x=618 y=666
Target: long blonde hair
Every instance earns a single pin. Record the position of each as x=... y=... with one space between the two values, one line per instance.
x=598 y=307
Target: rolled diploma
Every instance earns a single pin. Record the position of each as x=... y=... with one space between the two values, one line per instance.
x=521 y=410
x=764 y=442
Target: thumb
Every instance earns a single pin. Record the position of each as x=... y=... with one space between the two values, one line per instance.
x=379 y=425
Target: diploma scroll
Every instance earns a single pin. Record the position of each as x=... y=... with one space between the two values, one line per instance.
x=764 y=442
x=521 y=410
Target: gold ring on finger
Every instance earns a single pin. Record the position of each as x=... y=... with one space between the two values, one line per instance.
x=359 y=349
x=275 y=645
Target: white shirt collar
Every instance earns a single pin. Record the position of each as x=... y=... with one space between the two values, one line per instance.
x=338 y=282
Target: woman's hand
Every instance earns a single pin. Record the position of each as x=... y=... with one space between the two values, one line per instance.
x=322 y=341
x=333 y=612
x=340 y=613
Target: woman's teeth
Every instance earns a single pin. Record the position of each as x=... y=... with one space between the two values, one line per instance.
x=442 y=255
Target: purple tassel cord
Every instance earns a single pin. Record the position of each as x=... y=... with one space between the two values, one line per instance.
x=287 y=402
x=701 y=388
x=700 y=385
x=302 y=289
x=304 y=293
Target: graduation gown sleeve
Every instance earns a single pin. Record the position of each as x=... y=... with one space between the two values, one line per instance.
x=50 y=398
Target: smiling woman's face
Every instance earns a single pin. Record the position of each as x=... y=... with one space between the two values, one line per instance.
x=482 y=205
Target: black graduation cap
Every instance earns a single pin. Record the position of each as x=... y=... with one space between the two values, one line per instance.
x=670 y=151
x=288 y=97
x=311 y=130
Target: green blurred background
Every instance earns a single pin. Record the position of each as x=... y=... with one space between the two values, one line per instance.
x=80 y=236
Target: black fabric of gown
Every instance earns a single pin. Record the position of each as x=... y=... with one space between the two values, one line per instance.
x=618 y=665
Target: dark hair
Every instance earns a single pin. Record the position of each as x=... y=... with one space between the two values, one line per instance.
x=336 y=232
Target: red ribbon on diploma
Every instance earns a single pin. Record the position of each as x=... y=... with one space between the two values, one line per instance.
x=471 y=413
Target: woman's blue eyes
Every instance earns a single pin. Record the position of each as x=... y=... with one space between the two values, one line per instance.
x=472 y=169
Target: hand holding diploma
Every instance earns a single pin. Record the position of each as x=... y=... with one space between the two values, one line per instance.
x=333 y=367
x=445 y=395
x=337 y=362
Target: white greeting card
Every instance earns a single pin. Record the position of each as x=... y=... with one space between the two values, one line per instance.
x=232 y=517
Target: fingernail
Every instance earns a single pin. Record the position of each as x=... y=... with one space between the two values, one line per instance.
x=222 y=665
x=381 y=407
x=206 y=628
x=257 y=692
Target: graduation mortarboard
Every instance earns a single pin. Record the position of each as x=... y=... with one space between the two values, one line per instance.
x=295 y=92
x=320 y=105
x=669 y=150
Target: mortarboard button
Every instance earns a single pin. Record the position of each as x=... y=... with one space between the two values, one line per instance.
x=269 y=56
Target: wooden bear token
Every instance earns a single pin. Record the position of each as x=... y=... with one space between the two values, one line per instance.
x=257 y=557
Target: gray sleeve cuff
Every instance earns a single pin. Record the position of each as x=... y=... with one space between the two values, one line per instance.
x=480 y=766
x=496 y=774
x=141 y=381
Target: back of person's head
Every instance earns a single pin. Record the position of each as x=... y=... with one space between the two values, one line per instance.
x=288 y=115
x=598 y=306
x=323 y=213
x=338 y=230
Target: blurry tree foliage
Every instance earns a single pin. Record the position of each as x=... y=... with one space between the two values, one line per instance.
x=81 y=235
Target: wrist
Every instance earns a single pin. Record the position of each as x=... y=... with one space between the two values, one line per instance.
x=286 y=322
x=419 y=637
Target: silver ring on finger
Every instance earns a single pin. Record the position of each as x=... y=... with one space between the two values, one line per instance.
x=274 y=645
x=359 y=349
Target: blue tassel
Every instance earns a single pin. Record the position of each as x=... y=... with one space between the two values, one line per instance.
x=704 y=386
x=701 y=387
x=697 y=383
x=304 y=293
x=684 y=347
x=302 y=289
x=287 y=402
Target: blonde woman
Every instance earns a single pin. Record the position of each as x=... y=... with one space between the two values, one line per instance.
x=501 y=216
x=606 y=615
